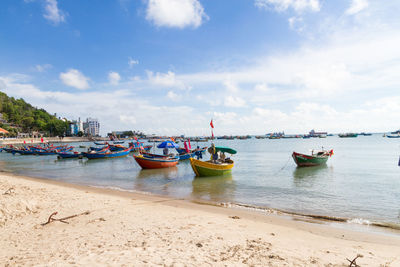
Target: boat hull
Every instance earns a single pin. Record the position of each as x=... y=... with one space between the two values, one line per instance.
x=155 y=163
x=307 y=161
x=204 y=168
x=69 y=155
x=107 y=155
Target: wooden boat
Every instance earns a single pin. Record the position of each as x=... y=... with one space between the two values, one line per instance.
x=151 y=155
x=105 y=154
x=315 y=159
x=183 y=151
x=146 y=162
x=22 y=151
x=345 y=135
x=393 y=136
x=213 y=167
x=185 y=156
x=69 y=155
x=100 y=143
x=209 y=168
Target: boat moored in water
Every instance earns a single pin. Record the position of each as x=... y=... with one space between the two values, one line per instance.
x=213 y=167
x=346 y=135
x=106 y=153
x=316 y=158
x=150 y=162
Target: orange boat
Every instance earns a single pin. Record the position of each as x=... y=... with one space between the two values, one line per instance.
x=148 y=162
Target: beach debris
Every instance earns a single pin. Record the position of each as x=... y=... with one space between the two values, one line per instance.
x=199 y=245
x=63 y=220
x=353 y=262
x=234 y=217
x=9 y=191
x=101 y=219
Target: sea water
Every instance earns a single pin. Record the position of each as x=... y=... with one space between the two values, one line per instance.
x=361 y=182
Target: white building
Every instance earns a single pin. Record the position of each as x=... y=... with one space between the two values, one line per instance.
x=92 y=127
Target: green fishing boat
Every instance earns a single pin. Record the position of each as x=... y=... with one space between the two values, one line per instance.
x=315 y=159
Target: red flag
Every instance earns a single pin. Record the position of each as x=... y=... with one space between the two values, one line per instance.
x=24 y=142
x=212 y=134
x=41 y=139
x=211 y=124
x=190 y=146
x=186 y=147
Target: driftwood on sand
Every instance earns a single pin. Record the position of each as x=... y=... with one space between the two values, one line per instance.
x=63 y=220
x=353 y=262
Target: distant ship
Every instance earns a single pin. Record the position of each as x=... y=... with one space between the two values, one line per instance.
x=313 y=133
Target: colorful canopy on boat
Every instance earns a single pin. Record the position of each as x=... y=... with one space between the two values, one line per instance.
x=168 y=144
x=225 y=149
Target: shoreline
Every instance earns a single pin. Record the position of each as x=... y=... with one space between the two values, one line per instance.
x=375 y=227
x=154 y=230
x=304 y=221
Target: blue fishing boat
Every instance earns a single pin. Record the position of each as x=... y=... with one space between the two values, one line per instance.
x=106 y=154
x=100 y=143
x=22 y=151
x=69 y=155
x=183 y=151
x=187 y=156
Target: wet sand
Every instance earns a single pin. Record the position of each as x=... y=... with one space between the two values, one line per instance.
x=120 y=228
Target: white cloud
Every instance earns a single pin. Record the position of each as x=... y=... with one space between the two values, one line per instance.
x=231 y=86
x=114 y=77
x=356 y=7
x=261 y=87
x=130 y=120
x=110 y=108
x=43 y=68
x=234 y=102
x=175 y=13
x=173 y=96
x=52 y=13
x=283 y=5
x=132 y=62
x=168 y=79
x=296 y=23
x=74 y=78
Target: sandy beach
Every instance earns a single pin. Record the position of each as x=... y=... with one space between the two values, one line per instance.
x=126 y=229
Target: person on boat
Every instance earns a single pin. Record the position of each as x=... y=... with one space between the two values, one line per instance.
x=165 y=151
x=213 y=152
x=198 y=153
x=222 y=157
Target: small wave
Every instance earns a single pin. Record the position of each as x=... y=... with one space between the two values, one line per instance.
x=121 y=189
x=266 y=210
x=359 y=221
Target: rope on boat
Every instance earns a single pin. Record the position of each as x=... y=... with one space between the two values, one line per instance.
x=284 y=166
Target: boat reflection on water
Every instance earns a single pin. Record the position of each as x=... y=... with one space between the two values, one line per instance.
x=156 y=181
x=304 y=176
x=166 y=173
x=214 y=188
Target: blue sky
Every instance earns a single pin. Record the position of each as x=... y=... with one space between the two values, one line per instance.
x=169 y=66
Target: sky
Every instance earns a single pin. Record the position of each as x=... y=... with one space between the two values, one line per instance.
x=170 y=66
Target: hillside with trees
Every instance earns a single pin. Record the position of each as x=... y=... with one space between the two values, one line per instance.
x=19 y=116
